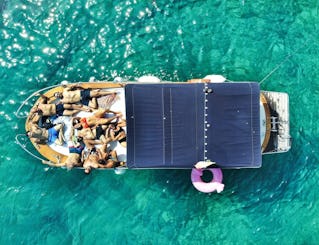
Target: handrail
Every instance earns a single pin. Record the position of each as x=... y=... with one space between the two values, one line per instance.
x=25 y=149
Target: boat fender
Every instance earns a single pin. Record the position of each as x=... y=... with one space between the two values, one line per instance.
x=148 y=79
x=215 y=78
x=119 y=171
x=92 y=79
x=215 y=185
x=118 y=80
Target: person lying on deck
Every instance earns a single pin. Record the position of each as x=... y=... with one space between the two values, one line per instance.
x=109 y=158
x=46 y=136
x=34 y=116
x=96 y=134
x=100 y=159
x=76 y=146
x=59 y=109
x=76 y=94
x=76 y=153
x=92 y=160
x=115 y=133
x=98 y=118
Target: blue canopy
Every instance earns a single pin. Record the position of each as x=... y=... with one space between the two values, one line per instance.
x=175 y=125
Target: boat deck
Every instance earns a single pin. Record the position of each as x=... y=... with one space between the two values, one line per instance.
x=58 y=154
x=118 y=106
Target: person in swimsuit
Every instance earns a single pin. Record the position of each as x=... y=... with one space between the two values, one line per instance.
x=92 y=160
x=46 y=136
x=44 y=108
x=93 y=136
x=59 y=109
x=109 y=158
x=115 y=133
x=100 y=159
x=98 y=118
x=35 y=117
x=74 y=159
x=76 y=147
x=76 y=94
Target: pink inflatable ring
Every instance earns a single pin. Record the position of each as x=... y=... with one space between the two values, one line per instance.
x=214 y=185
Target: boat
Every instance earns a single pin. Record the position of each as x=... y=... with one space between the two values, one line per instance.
x=200 y=124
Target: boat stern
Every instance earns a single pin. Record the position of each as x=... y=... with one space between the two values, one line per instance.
x=277 y=122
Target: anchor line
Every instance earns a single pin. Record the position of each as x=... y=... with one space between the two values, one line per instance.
x=283 y=61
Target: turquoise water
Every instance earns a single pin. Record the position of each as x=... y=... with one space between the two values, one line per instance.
x=44 y=42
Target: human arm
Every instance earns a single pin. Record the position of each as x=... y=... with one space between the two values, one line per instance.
x=74 y=87
x=99 y=153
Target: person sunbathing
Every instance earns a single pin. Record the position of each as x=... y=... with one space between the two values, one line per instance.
x=76 y=152
x=109 y=158
x=115 y=133
x=46 y=136
x=35 y=117
x=100 y=159
x=75 y=157
x=76 y=94
x=95 y=135
x=92 y=160
x=59 y=109
x=76 y=146
x=98 y=118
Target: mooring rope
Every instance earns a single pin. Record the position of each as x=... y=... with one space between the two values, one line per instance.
x=284 y=61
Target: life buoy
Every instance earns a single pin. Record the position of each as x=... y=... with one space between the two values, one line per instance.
x=214 y=185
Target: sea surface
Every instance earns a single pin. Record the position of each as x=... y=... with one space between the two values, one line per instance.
x=44 y=42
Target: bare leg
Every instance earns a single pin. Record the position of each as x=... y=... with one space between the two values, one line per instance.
x=70 y=112
x=114 y=155
x=110 y=163
x=77 y=107
x=104 y=148
x=103 y=139
x=122 y=123
x=101 y=121
x=100 y=113
x=60 y=139
x=93 y=103
x=58 y=126
x=120 y=136
x=98 y=93
x=91 y=143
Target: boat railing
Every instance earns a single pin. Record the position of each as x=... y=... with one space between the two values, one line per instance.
x=22 y=142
